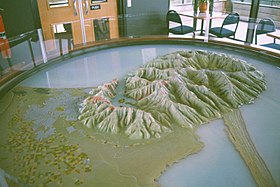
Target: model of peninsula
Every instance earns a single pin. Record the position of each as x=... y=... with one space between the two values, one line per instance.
x=185 y=88
x=182 y=89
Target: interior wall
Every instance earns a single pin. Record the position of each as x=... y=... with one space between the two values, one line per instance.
x=19 y=16
x=143 y=17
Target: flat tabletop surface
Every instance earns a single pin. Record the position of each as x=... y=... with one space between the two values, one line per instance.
x=275 y=34
x=213 y=15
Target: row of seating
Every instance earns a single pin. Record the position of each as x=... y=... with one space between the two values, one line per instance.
x=173 y=16
x=263 y=27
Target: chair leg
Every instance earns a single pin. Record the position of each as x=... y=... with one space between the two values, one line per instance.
x=193 y=34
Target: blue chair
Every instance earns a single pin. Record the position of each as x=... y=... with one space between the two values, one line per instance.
x=173 y=16
x=232 y=18
x=265 y=26
x=272 y=45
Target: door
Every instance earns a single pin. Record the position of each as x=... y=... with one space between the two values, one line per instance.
x=100 y=19
x=77 y=20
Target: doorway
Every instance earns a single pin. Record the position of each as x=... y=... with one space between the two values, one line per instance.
x=77 y=21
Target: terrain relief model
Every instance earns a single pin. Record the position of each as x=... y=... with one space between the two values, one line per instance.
x=185 y=89
x=128 y=131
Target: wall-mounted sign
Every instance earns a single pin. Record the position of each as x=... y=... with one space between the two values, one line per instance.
x=98 y=1
x=58 y=3
x=95 y=7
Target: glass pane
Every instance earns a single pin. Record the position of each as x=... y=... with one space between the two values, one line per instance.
x=64 y=37
x=242 y=7
x=270 y=2
x=101 y=29
x=19 y=53
x=268 y=24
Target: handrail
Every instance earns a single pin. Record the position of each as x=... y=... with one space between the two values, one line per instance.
x=36 y=59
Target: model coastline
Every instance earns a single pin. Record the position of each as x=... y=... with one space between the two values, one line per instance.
x=169 y=99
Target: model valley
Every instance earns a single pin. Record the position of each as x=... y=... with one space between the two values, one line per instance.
x=127 y=132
